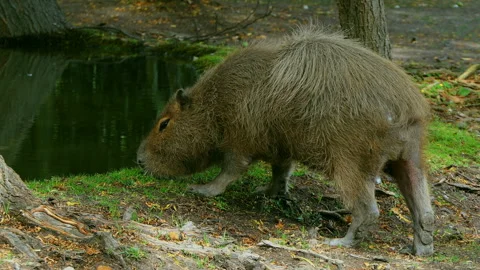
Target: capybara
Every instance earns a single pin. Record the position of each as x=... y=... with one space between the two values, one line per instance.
x=313 y=98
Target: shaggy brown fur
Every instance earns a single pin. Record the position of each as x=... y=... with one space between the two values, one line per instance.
x=312 y=97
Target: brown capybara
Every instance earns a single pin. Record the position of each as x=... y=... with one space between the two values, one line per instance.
x=312 y=98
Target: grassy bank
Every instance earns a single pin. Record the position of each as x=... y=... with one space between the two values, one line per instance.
x=448 y=146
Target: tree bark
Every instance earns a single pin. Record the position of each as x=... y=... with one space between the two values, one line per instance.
x=365 y=20
x=20 y=18
x=14 y=194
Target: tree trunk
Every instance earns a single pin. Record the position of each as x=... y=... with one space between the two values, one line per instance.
x=30 y=18
x=365 y=20
x=14 y=194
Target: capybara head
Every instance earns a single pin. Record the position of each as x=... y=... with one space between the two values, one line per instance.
x=180 y=142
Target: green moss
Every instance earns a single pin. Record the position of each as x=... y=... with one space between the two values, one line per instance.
x=204 y=56
x=212 y=59
x=449 y=145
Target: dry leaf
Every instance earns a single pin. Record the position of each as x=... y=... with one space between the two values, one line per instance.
x=400 y=215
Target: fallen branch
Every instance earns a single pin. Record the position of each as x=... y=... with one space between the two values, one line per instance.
x=379 y=259
x=469 y=71
x=248 y=259
x=440 y=182
x=266 y=243
x=465 y=187
x=336 y=214
x=472 y=180
x=242 y=24
x=474 y=86
x=379 y=191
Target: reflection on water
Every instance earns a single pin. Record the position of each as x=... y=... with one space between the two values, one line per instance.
x=61 y=117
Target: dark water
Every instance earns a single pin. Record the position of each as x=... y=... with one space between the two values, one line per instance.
x=61 y=116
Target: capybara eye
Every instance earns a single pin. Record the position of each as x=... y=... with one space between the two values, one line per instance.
x=163 y=125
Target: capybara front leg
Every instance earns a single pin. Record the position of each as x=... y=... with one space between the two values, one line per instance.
x=281 y=172
x=413 y=185
x=364 y=214
x=232 y=168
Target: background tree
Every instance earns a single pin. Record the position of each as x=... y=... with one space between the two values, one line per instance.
x=365 y=20
x=30 y=18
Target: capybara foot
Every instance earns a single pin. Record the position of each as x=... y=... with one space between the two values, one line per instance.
x=206 y=190
x=343 y=242
x=423 y=241
x=423 y=250
x=272 y=192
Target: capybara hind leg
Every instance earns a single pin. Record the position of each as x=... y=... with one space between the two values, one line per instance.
x=281 y=172
x=364 y=212
x=232 y=168
x=412 y=183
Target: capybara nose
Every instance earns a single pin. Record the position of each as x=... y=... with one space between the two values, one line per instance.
x=140 y=161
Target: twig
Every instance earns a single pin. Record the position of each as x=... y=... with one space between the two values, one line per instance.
x=303 y=259
x=435 y=83
x=380 y=259
x=359 y=257
x=242 y=24
x=440 y=182
x=466 y=84
x=467 y=177
x=384 y=192
x=465 y=187
x=266 y=243
x=336 y=214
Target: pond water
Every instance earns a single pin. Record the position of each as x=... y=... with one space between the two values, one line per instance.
x=60 y=116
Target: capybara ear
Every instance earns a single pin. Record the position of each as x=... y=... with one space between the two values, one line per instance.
x=182 y=99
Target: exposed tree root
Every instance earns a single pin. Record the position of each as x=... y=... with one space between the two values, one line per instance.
x=338 y=263
x=469 y=72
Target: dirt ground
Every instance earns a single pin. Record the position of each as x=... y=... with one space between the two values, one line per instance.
x=424 y=37
x=433 y=32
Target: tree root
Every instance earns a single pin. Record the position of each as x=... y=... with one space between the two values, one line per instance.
x=21 y=242
x=45 y=217
x=266 y=243
x=469 y=71
x=337 y=214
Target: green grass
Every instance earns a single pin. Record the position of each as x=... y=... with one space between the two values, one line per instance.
x=448 y=145
x=106 y=190
x=130 y=186
x=112 y=191
x=134 y=253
